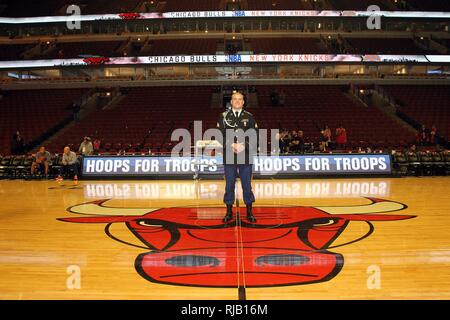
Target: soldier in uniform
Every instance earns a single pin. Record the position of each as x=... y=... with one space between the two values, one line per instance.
x=239 y=131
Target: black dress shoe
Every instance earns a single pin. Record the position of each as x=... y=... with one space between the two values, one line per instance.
x=250 y=216
x=229 y=215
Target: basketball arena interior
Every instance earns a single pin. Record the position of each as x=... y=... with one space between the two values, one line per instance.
x=350 y=180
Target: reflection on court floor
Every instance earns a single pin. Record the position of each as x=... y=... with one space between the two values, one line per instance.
x=212 y=190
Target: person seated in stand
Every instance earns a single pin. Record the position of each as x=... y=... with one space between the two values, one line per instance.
x=327 y=135
x=69 y=162
x=96 y=144
x=17 y=144
x=301 y=141
x=286 y=140
x=433 y=133
x=323 y=141
x=423 y=136
x=282 y=141
x=341 y=137
x=86 y=148
x=294 y=143
x=42 y=159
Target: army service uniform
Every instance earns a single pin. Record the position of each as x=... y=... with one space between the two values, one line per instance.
x=234 y=164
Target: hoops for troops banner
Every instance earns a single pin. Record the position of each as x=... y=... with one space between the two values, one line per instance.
x=290 y=165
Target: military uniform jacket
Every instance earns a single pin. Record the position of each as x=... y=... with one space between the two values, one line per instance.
x=229 y=126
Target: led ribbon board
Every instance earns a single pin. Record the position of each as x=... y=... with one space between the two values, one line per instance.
x=224 y=59
x=288 y=165
x=228 y=14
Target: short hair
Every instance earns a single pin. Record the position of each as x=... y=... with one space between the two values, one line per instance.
x=238 y=92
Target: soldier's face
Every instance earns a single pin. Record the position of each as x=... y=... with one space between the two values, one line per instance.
x=237 y=101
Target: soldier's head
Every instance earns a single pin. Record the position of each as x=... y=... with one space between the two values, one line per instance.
x=66 y=149
x=237 y=100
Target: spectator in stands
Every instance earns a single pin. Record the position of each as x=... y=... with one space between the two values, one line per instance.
x=294 y=143
x=325 y=138
x=17 y=144
x=86 y=148
x=285 y=140
x=341 y=137
x=281 y=142
x=42 y=159
x=301 y=143
x=96 y=145
x=433 y=133
x=278 y=138
x=422 y=136
x=69 y=161
x=322 y=141
x=327 y=134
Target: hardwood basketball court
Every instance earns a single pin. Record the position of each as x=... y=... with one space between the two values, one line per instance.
x=383 y=238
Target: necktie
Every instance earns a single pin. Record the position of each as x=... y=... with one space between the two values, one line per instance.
x=236 y=114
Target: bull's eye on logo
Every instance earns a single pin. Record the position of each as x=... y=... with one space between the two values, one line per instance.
x=191 y=246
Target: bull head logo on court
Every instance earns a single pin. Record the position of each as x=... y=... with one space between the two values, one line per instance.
x=191 y=246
